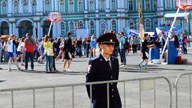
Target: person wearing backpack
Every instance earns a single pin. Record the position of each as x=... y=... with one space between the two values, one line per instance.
x=121 y=47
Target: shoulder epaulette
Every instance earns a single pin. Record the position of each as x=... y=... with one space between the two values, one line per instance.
x=114 y=57
x=95 y=58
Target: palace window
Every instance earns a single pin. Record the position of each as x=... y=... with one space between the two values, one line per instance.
x=168 y=4
x=62 y=6
x=80 y=25
x=47 y=7
x=72 y=28
x=114 y=26
x=102 y=28
x=81 y=9
x=155 y=5
x=71 y=4
x=91 y=6
x=147 y=4
x=4 y=8
x=15 y=4
x=62 y=29
x=113 y=5
x=34 y=6
x=137 y=4
x=131 y=5
x=148 y=25
x=25 y=6
x=92 y=28
x=102 y=5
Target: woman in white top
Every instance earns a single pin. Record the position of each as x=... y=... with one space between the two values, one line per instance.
x=20 y=51
x=61 y=46
x=12 y=52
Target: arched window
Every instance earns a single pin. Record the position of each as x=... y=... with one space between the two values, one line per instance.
x=131 y=5
x=34 y=6
x=102 y=5
x=91 y=6
x=72 y=28
x=80 y=25
x=148 y=26
x=113 y=5
x=81 y=7
x=168 y=4
x=62 y=29
x=92 y=28
x=114 y=26
x=15 y=4
x=71 y=4
x=47 y=7
x=147 y=5
x=102 y=28
x=25 y=6
x=4 y=8
x=62 y=6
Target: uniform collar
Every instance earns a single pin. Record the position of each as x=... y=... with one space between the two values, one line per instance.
x=106 y=59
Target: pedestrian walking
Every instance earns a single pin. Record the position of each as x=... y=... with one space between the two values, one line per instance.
x=122 y=49
x=145 y=51
x=20 y=51
x=29 y=49
x=109 y=71
x=12 y=52
x=48 y=54
x=93 y=47
x=68 y=53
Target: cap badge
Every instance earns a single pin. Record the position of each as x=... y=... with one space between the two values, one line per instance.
x=111 y=40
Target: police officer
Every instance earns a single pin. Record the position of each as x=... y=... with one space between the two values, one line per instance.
x=104 y=68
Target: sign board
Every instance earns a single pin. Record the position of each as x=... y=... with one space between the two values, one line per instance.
x=176 y=29
x=131 y=32
x=82 y=33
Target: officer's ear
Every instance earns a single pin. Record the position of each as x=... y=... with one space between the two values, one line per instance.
x=101 y=46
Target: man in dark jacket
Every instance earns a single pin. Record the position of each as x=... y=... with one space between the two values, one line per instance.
x=109 y=71
x=68 y=52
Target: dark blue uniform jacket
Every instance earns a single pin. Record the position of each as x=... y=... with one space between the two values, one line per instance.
x=98 y=70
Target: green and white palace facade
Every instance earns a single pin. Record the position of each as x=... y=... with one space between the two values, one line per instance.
x=30 y=16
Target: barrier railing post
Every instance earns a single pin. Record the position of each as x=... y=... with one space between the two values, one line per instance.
x=12 y=99
x=154 y=94
x=91 y=96
x=124 y=95
x=140 y=93
x=72 y=96
x=33 y=98
x=190 y=89
x=53 y=97
x=107 y=95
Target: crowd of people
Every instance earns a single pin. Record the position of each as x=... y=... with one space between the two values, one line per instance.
x=14 y=50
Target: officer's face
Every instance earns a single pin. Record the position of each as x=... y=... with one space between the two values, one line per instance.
x=107 y=49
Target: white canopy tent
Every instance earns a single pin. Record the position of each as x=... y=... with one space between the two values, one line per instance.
x=181 y=16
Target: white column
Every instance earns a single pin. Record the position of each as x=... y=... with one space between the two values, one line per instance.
x=10 y=28
x=54 y=29
x=97 y=6
x=86 y=21
x=53 y=5
x=34 y=29
x=17 y=32
x=30 y=7
x=86 y=6
x=97 y=28
x=14 y=28
x=56 y=5
x=10 y=8
x=20 y=7
x=40 y=30
x=107 y=6
x=40 y=7
x=119 y=25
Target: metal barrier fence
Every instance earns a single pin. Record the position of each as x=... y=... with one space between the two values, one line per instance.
x=177 y=84
x=140 y=80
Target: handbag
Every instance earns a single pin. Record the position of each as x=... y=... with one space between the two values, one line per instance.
x=50 y=51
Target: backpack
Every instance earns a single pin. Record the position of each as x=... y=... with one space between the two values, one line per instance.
x=179 y=60
x=126 y=45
